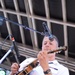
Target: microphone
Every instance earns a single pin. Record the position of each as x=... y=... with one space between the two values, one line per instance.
x=47 y=31
x=15 y=46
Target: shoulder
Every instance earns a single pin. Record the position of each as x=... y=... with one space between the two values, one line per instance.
x=61 y=66
x=63 y=69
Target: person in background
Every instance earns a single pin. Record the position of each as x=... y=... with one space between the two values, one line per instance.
x=48 y=65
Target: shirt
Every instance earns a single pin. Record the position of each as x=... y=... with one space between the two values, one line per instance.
x=55 y=67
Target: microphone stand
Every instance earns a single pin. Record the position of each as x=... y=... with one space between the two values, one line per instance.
x=9 y=51
x=16 y=57
x=24 y=26
x=4 y=41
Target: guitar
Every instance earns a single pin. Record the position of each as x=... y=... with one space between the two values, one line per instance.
x=32 y=62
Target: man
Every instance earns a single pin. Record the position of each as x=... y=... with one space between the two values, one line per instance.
x=48 y=65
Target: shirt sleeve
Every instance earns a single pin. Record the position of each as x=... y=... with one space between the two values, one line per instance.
x=33 y=72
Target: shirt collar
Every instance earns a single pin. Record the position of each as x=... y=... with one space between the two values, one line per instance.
x=55 y=62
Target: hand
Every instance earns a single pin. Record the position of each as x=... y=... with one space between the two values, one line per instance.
x=43 y=60
x=14 y=68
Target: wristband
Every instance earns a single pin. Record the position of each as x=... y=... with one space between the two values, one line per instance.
x=48 y=71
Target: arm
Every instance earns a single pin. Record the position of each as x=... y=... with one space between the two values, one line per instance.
x=43 y=60
x=48 y=74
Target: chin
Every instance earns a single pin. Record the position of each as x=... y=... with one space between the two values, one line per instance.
x=51 y=55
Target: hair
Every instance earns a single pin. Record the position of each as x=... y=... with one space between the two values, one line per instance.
x=54 y=37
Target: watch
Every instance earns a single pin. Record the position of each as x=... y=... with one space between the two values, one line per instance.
x=48 y=71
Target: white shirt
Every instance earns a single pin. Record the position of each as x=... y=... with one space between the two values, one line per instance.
x=55 y=67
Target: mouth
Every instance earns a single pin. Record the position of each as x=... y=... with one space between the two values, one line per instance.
x=47 y=50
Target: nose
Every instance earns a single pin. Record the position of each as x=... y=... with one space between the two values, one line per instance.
x=47 y=44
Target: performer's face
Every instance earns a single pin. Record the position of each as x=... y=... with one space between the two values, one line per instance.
x=48 y=45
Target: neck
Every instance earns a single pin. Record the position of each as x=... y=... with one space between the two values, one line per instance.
x=51 y=58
